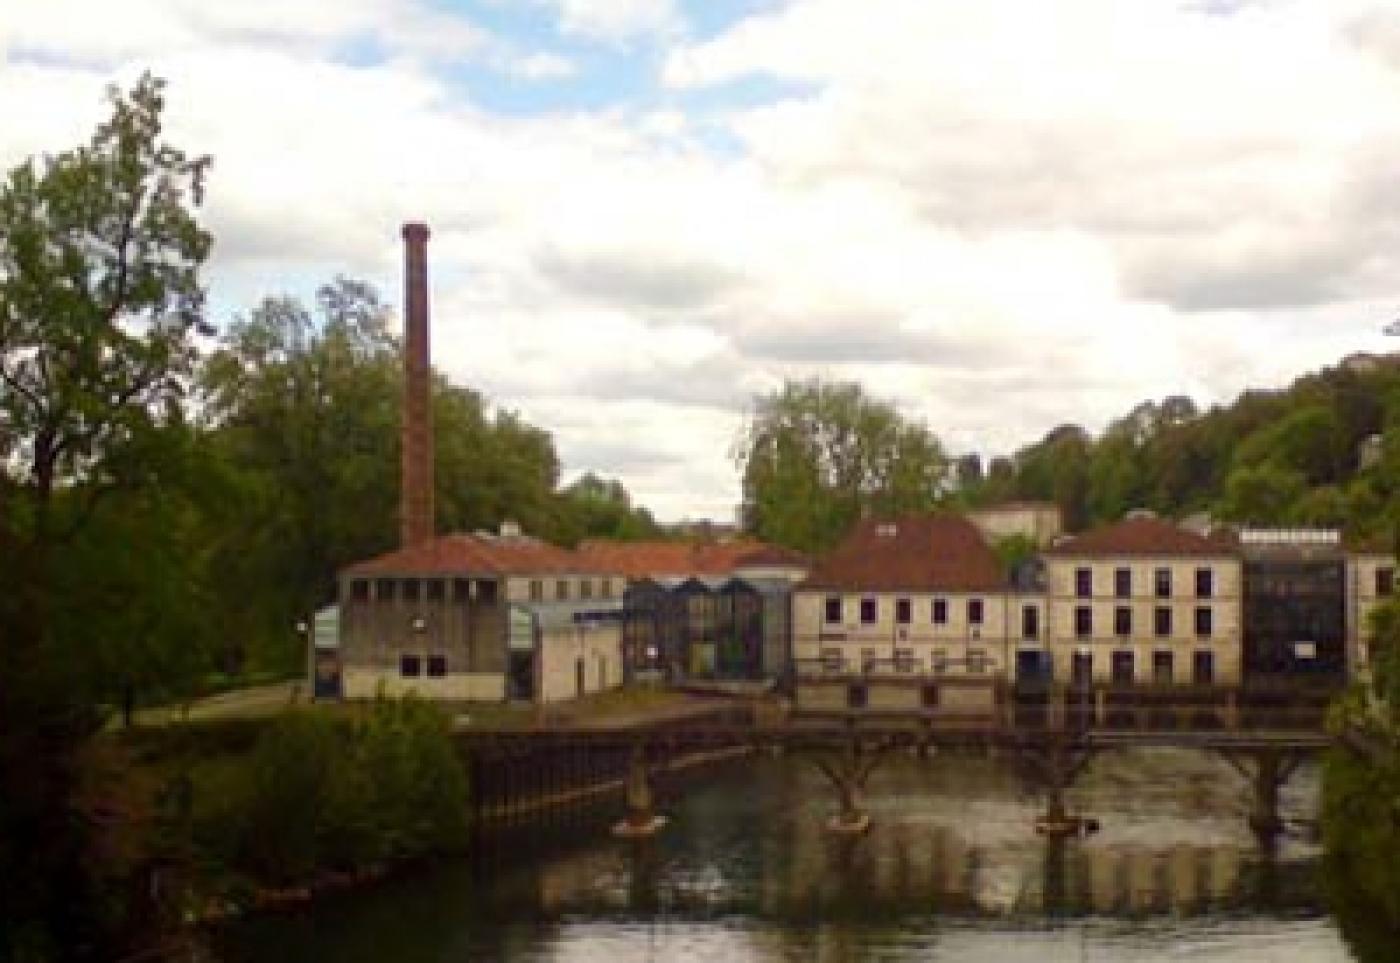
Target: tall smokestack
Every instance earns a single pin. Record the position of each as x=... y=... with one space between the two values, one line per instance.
x=416 y=480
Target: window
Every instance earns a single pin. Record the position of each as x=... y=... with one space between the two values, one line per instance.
x=1122 y=667
x=437 y=666
x=1162 y=583
x=1030 y=622
x=585 y=589
x=410 y=666
x=461 y=589
x=901 y=611
x=833 y=609
x=1084 y=582
x=1385 y=581
x=437 y=590
x=940 y=611
x=856 y=696
x=359 y=590
x=977 y=661
x=411 y=589
x=832 y=660
x=974 y=611
x=868 y=658
x=1162 y=667
x=536 y=590
x=384 y=589
x=1123 y=582
x=869 y=611
x=1203 y=622
x=1083 y=621
x=561 y=589
x=605 y=589
x=1203 y=668
x=1162 y=621
x=486 y=592
x=1082 y=668
x=938 y=660
x=929 y=696
x=1122 y=621
x=1205 y=583
x=904 y=660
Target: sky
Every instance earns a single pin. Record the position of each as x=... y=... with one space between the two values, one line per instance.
x=1000 y=216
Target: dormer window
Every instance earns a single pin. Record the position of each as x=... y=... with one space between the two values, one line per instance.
x=887 y=530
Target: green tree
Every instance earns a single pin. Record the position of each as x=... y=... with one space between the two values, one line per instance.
x=815 y=455
x=100 y=301
x=594 y=507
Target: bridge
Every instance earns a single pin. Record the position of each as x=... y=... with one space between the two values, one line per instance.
x=1048 y=734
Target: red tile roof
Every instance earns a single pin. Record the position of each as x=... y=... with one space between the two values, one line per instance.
x=661 y=559
x=1144 y=536
x=479 y=554
x=940 y=553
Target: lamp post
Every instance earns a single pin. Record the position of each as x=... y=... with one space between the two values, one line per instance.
x=304 y=632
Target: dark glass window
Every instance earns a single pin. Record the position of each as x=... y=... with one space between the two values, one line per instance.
x=411 y=588
x=1162 y=583
x=856 y=696
x=1084 y=582
x=585 y=589
x=1205 y=583
x=1161 y=667
x=1030 y=622
x=384 y=589
x=1203 y=622
x=605 y=588
x=1385 y=581
x=437 y=666
x=1122 y=667
x=1122 y=621
x=486 y=592
x=410 y=666
x=437 y=590
x=901 y=611
x=1203 y=668
x=833 y=608
x=940 y=611
x=974 y=611
x=561 y=589
x=1162 y=621
x=869 y=611
x=1083 y=621
x=1082 y=668
x=930 y=696
x=461 y=589
x=359 y=590
x=1123 y=582
x=536 y=590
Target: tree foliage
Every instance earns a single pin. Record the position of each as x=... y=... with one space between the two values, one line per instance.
x=816 y=455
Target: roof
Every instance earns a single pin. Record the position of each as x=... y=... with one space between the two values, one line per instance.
x=1144 y=536
x=661 y=559
x=479 y=555
x=775 y=556
x=943 y=553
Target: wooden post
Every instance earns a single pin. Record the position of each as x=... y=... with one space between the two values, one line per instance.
x=641 y=820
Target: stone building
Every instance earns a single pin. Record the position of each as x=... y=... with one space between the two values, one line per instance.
x=480 y=617
x=1041 y=522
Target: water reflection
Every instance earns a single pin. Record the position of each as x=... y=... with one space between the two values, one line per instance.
x=951 y=865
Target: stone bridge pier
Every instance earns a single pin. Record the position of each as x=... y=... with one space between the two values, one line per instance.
x=1266 y=770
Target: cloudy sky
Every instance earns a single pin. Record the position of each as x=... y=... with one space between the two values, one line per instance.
x=1001 y=215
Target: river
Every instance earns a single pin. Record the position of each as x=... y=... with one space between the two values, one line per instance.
x=950 y=870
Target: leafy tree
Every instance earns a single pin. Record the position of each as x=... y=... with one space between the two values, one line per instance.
x=815 y=455
x=594 y=507
x=100 y=302
x=1261 y=495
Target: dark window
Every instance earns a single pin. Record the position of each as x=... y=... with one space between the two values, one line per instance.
x=940 y=611
x=1082 y=668
x=901 y=611
x=561 y=589
x=1385 y=581
x=1122 y=621
x=869 y=611
x=1162 y=621
x=1122 y=667
x=437 y=666
x=856 y=696
x=1123 y=582
x=903 y=660
x=1203 y=622
x=486 y=592
x=410 y=666
x=536 y=590
x=384 y=589
x=411 y=588
x=585 y=589
x=1083 y=621
x=1161 y=667
x=605 y=588
x=974 y=611
x=437 y=590
x=1083 y=582
x=832 y=660
x=833 y=608
x=1162 y=583
x=1205 y=583
x=1030 y=622
x=930 y=696
x=938 y=661
x=461 y=589
x=359 y=590
x=1203 y=668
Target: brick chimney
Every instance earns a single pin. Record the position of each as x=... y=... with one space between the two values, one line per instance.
x=416 y=478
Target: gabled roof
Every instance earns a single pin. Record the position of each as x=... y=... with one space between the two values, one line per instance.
x=464 y=554
x=661 y=559
x=1146 y=537
x=771 y=556
x=938 y=553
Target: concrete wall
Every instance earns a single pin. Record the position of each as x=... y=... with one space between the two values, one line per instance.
x=366 y=683
x=569 y=587
x=600 y=651
x=1362 y=599
x=1040 y=523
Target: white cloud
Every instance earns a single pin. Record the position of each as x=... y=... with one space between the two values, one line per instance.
x=617 y=20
